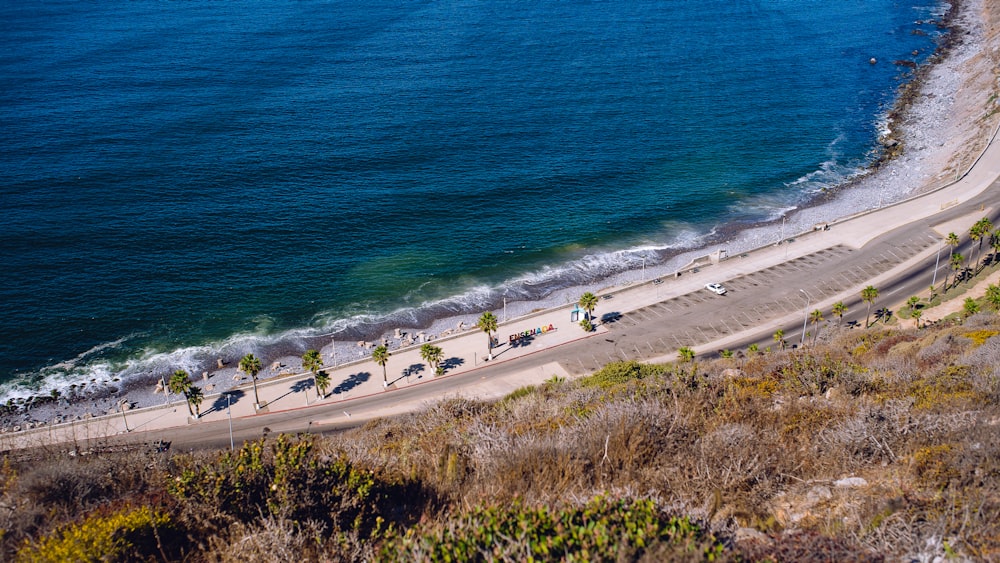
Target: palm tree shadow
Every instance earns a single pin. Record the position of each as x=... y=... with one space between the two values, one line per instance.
x=452 y=363
x=221 y=402
x=351 y=382
x=299 y=387
x=414 y=369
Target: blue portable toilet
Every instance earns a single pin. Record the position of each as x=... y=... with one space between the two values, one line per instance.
x=576 y=314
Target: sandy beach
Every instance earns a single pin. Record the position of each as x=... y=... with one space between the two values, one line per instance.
x=943 y=127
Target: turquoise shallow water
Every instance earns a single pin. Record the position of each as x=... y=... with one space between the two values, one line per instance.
x=188 y=181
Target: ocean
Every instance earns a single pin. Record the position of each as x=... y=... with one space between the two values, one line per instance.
x=188 y=181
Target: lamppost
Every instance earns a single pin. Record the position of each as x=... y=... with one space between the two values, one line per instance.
x=232 y=445
x=643 y=269
x=805 y=317
x=937 y=261
x=121 y=405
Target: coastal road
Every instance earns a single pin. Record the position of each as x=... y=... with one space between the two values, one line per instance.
x=758 y=303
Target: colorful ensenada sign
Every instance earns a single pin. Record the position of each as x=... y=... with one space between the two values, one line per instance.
x=531 y=332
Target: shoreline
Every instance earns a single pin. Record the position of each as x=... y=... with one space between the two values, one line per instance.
x=934 y=146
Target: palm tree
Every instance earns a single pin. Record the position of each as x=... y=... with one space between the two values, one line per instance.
x=180 y=383
x=840 y=310
x=779 y=337
x=956 y=265
x=970 y=307
x=313 y=361
x=250 y=365
x=380 y=355
x=195 y=396
x=912 y=303
x=588 y=302
x=322 y=380
x=432 y=355
x=976 y=233
x=916 y=314
x=952 y=241
x=993 y=296
x=685 y=354
x=979 y=232
x=488 y=323
x=815 y=318
x=869 y=295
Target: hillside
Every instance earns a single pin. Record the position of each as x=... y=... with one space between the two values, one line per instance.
x=869 y=445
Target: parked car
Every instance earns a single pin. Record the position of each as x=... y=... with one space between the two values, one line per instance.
x=716 y=288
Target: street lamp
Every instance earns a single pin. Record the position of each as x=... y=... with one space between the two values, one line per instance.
x=232 y=445
x=937 y=261
x=121 y=405
x=643 y=269
x=805 y=317
x=166 y=390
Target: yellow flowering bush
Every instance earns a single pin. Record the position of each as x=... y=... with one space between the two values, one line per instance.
x=125 y=534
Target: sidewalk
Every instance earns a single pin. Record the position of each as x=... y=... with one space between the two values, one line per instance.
x=467 y=350
x=463 y=352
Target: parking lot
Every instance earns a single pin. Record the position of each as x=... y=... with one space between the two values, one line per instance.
x=753 y=300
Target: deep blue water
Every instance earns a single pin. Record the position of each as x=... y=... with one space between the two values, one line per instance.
x=181 y=181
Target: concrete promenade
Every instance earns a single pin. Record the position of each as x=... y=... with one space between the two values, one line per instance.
x=465 y=352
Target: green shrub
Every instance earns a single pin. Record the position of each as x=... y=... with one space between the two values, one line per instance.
x=289 y=481
x=617 y=373
x=602 y=530
x=517 y=394
x=933 y=465
x=944 y=391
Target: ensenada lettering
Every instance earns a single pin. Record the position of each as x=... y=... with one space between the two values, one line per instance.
x=531 y=332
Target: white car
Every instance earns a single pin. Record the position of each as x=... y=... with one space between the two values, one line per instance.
x=716 y=288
